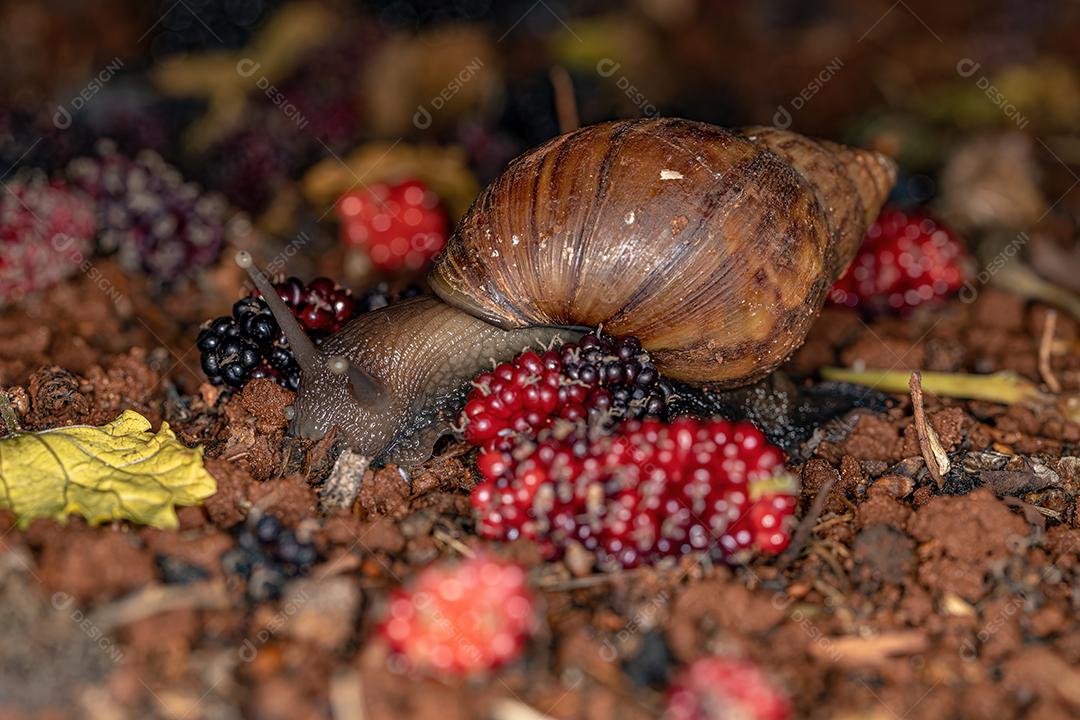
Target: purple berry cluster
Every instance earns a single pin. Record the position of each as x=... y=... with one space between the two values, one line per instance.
x=148 y=215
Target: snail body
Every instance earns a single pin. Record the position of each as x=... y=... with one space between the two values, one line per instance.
x=715 y=248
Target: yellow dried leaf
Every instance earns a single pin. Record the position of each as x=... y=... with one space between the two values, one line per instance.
x=119 y=471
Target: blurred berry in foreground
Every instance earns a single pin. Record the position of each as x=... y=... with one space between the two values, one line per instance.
x=267 y=555
x=716 y=688
x=461 y=618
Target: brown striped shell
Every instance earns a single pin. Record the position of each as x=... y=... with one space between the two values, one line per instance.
x=715 y=247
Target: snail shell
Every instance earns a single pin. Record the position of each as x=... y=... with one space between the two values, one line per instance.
x=715 y=247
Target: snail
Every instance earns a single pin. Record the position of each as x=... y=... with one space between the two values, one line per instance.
x=714 y=247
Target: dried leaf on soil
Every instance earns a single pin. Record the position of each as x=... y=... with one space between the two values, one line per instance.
x=119 y=471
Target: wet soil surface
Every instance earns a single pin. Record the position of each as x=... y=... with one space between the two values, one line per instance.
x=898 y=598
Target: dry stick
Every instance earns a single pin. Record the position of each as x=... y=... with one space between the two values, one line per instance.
x=861 y=651
x=923 y=429
x=565 y=103
x=157 y=599
x=1045 y=346
x=560 y=585
x=453 y=542
x=834 y=521
x=509 y=709
x=807 y=524
x=347 y=696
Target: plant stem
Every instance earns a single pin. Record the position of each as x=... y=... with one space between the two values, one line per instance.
x=1003 y=387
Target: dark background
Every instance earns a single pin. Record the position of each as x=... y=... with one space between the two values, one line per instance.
x=875 y=73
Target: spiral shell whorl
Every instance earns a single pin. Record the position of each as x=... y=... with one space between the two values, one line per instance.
x=714 y=247
x=850 y=184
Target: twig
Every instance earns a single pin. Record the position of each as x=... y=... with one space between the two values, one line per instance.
x=157 y=599
x=565 y=103
x=507 y=709
x=834 y=521
x=347 y=696
x=828 y=556
x=807 y=524
x=937 y=461
x=1022 y=280
x=337 y=566
x=1046 y=371
x=862 y=651
x=839 y=599
x=453 y=542
x=587 y=581
x=342 y=485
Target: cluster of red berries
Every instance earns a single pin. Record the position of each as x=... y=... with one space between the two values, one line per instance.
x=716 y=688
x=646 y=491
x=402 y=226
x=46 y=229
x=907 y=259
x=597 y=379
x=322 y=306
x=461 y=618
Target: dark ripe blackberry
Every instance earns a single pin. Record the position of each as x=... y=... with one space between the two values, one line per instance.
x=267 y=554
x=306 y=555
x=267 y=528
x=287 y=546
x=280 y=358
x=234 y=375
x=245 y=539
x=262 y=328
x=247 y=306
x=624 y=369
x=224 y=326
x=208 y=340
x=249 y=344
x=211 y=367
